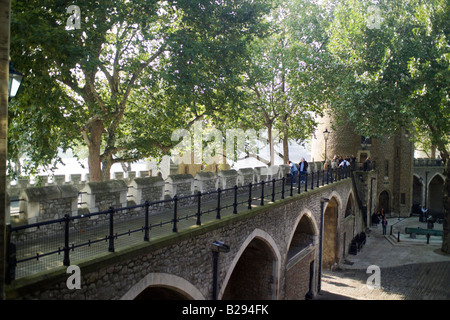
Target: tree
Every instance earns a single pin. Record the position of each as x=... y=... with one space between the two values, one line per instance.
x=284 y=74
x=105 y=82
x=397 y=74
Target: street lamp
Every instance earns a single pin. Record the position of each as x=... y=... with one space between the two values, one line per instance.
x=326 y=133
x=15 y=80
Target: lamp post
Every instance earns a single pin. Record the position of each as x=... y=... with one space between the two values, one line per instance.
x=5 y=11
x=15 y=80
x=326 y=133
x=322 y=204
x=10 y=81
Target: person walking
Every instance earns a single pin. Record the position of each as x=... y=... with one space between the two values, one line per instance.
x=294 y=171
x=384 y=223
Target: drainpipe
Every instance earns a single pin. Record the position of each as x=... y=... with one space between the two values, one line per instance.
x=217 y=246
x=322 y=203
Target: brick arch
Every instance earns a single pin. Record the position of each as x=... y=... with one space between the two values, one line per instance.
x=384 y=201
x=164 y=280
x=271 y=248
x=338 y=199
x=308 y=224
x=301 y=257
x=332 y=212
x=351 y=201
x=435 y=190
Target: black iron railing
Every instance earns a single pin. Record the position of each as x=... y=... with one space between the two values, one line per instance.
x=59 y=242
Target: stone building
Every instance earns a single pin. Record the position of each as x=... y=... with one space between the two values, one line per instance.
x=389 y=186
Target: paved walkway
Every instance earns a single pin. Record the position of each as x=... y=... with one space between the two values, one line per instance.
x=409 y=270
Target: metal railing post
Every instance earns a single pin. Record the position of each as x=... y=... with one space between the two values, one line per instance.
x=262 y=192
x=273 y=190
x=199 y=207
x=146 y=227
x=111 y=230
x=175 y=213
x=235 y=199
x=66 y=261
x=312 y=180
x=250 y=196
x=282 y=187
x=218 y=203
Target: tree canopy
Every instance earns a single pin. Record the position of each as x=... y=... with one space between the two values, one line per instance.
x=132 y=72
x=396 y=74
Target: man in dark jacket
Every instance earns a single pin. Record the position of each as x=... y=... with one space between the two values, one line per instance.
x=303 y=168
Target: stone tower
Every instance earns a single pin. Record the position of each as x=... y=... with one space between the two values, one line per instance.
x=389 y=184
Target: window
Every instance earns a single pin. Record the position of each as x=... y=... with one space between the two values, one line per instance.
x=366 y=140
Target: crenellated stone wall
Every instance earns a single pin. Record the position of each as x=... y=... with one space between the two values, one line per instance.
x=49 y=199
x=259 y=239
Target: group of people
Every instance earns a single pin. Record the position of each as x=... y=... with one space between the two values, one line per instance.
x=336 y=162
x=302 y=168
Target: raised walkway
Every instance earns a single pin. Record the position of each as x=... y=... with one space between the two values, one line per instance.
x=409 y=270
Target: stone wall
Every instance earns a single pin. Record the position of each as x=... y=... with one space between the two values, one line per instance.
x=54 y=198
x=184 y=261
x=393 y=157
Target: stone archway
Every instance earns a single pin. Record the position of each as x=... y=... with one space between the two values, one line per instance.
x=254 y=275
x=161 y=293
x=384 y=202
x=163 y=286
x=330 y=234
x=436 y=195
x=300 y=260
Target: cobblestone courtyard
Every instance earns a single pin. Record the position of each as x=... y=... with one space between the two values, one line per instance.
x=409 y=269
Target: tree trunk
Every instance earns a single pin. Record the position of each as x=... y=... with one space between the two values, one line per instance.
x=446 y=225
x=285 y=147
x=94 y=159
x=271 y=146
x=106 y=168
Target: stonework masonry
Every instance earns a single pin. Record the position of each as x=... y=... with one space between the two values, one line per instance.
x=392 y=156
x=183 y=261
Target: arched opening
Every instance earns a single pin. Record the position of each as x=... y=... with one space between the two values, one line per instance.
x=303 y=236
x=417 y=195
x=383 y=202
x=161 y=293
x=350 y=224
x=300 y=268
x=350 y=208
x=163 y=286
x=253 y=277
x=436 y=196
x=330 y=235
